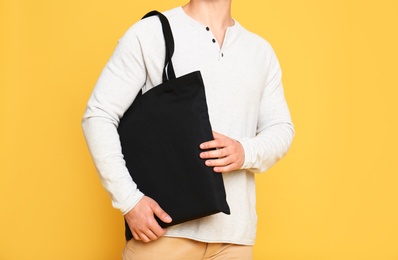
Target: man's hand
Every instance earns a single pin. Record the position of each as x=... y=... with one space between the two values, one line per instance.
x=229 y=155
x=142 y=223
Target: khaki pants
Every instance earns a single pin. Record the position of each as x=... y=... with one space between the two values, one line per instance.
x=171 y=248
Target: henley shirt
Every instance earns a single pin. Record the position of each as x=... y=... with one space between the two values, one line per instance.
x=245 y=99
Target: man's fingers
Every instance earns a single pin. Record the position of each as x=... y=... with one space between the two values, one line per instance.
x=219 y=162
x=218 y=142
x=154 y=227
x=226 y=168
x=144 y=238
x=136 y=236
x=150 y=234
x=210 y=144
x=214 y=154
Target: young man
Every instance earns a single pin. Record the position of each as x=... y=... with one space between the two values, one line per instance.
x=247 y=110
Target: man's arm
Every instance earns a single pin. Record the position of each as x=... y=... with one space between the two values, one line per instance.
x=119 y=83
x=274 y=133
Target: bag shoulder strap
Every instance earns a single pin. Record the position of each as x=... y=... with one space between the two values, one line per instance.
x=168 y=70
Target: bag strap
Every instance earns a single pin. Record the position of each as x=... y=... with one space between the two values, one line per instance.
x=168 y=70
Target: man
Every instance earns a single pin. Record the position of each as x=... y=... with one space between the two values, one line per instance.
x=247 y=110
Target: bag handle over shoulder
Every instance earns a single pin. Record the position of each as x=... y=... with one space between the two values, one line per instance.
x=168 y=70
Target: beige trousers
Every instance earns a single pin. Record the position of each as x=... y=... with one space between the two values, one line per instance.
x=171 y=248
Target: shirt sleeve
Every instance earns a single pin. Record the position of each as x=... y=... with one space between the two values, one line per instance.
x=119 y=83
x=275 y=129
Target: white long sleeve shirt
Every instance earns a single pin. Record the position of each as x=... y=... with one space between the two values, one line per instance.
x=245 y=101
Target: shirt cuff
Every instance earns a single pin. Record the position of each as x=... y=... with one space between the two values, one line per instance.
x=130 y=201
x=248 y=162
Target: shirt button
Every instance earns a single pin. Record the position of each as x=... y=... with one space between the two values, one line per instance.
x=213 y=40
x=207 y=29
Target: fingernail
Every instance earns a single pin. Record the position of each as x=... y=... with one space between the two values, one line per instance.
x=202 y=146
x=168 y=218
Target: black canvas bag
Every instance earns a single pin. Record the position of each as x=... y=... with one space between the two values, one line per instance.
x=160 y=136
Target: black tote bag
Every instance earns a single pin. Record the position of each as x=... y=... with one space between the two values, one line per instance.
x=160 y=136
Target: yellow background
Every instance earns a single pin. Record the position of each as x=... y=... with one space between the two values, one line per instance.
x=333 y=197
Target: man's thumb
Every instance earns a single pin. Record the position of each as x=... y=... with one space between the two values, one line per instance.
x=161 y=214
